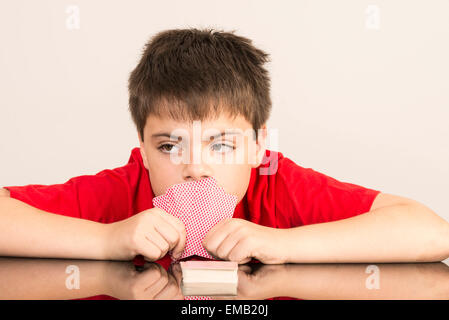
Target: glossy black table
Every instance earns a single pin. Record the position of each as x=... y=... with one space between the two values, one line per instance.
x=32 y=278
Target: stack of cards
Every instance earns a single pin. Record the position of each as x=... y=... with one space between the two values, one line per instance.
x=209 y=278
x=200 y=205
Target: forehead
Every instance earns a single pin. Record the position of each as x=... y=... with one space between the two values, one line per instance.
x=220 y=122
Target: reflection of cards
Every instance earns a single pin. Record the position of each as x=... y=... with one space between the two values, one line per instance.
x=209 y=278
x=200 y=205
x=209 y=271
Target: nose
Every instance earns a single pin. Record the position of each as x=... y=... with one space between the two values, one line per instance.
x=193 y=172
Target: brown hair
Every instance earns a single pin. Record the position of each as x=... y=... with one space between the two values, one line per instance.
x=190 y=74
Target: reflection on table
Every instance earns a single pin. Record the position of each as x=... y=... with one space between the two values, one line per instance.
x=26 y=278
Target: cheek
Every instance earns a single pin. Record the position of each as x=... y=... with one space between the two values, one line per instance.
x=163 y=174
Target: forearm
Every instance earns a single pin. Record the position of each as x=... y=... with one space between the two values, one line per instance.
x=29 y=232
x=401 y=233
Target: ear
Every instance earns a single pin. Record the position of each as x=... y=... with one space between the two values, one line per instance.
x=261 y=146
x=142 y=153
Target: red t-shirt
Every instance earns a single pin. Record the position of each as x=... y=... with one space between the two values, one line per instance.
x=281 y=194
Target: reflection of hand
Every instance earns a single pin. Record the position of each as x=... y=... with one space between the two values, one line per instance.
x=343 y=281
x=257 y=282
x=153 y=283
x=176 y=271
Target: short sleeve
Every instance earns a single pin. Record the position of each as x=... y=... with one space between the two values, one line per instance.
x=305 y=196
x=104 y=197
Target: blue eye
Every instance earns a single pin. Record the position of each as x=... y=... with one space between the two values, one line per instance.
x=222 y=147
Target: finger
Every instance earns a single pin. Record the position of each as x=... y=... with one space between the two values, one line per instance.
x=174 y=221
x=217 y=228
x=218 y=234
x=168 y=232
x=240 y=252
x=148 y=249
x=149 y=277
x=182 y=234
x=170 y=291
x=155 y=237
x=246 y=269
x=179 y=247
x=225 y=247
x=156 y=287
x=246 y=260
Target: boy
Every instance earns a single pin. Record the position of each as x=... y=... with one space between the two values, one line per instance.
x=285 y=213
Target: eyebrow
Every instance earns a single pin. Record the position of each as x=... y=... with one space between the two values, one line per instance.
x=211 y=137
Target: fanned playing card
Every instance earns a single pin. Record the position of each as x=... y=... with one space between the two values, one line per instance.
x=200 y=205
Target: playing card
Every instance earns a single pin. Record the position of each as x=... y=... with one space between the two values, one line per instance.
x=200 y=205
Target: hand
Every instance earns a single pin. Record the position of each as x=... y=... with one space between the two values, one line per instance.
x=240 y=240
x=258 y=281
x=150 y=233
x=153 y=283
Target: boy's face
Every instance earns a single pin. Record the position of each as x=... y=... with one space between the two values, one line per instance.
x=177 y=152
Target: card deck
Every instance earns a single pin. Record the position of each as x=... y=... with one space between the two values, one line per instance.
x=200 y=205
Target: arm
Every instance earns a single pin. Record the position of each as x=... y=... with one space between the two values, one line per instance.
x=29 y=232
x=399 y=232
x=407 y=232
